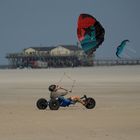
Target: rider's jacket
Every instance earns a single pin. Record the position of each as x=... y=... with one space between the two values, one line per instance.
x=56 y=94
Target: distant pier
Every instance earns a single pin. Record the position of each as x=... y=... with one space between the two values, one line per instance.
x=46 y=61
x=111 y=62
x=42 y=61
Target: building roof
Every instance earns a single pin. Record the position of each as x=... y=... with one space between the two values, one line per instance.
x=70 y=47
x=43 y=48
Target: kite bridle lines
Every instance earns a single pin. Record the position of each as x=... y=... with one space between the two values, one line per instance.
x=68 y=77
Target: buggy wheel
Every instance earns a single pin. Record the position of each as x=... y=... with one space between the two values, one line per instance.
x=54 y=104
x=42 y=104
x=90 y=103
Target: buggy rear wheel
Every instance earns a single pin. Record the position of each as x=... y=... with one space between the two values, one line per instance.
x=42 y=104
x=90 y=103
x=54 y=104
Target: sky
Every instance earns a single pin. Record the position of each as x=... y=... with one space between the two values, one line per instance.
x=27 y=23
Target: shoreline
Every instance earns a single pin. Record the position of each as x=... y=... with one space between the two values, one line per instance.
x=116 y=115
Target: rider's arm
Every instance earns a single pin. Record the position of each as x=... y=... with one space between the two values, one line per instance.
x=58 y=87
x=59 y=93
x=62 y=93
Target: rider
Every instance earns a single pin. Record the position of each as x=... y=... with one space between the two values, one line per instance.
x=59 y=92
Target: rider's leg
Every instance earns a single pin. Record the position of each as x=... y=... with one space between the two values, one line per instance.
x=77 y=99
x=64 y=101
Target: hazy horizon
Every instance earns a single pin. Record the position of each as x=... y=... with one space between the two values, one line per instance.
x=47 y=22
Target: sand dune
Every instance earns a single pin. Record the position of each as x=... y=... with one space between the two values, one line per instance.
x=115 y=117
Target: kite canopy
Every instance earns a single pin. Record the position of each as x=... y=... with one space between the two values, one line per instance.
x=90 y=33
x=121 y=47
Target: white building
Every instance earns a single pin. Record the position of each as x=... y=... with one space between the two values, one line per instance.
x=60 y=50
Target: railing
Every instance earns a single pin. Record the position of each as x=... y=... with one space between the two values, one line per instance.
x=107 y=62
x=17 y=55
x=16 y=58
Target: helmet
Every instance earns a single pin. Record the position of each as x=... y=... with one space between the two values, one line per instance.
x=52 y=87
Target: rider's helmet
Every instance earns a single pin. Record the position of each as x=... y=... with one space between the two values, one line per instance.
x=52 y=88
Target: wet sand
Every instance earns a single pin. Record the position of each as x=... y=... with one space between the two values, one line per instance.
x=116 y=116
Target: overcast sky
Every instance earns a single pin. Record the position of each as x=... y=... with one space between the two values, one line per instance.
x=26 y=23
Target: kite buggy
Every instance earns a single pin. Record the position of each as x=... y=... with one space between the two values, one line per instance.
x=57 y=100
x=54 y=104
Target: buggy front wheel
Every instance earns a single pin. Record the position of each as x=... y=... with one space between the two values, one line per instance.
x=90 y=103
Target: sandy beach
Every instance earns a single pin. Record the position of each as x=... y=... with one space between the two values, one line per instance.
x=116 y=116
